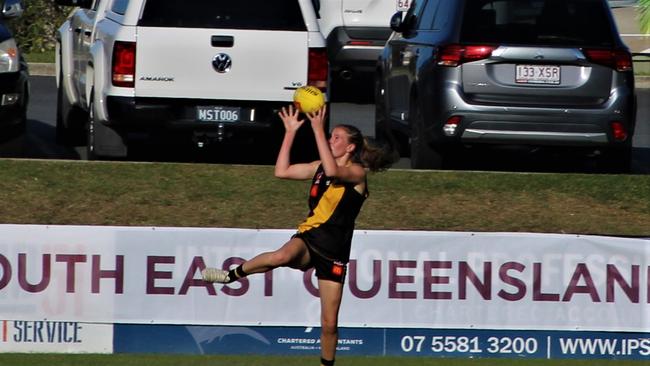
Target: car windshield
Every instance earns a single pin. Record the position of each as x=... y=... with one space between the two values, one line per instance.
x=538 y=22
x=228 y=14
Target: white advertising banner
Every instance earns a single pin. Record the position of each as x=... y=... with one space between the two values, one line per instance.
x=395 y=279
x=46 y=336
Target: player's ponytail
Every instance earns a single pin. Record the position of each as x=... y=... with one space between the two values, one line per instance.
x=375 y=158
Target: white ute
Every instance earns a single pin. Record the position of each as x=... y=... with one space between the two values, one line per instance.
x=185 y=70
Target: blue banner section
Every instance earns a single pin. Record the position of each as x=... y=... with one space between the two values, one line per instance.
x=240 y=340
x=459 y=343
x=517 y=344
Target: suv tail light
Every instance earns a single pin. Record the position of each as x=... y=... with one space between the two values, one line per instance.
x=123 y=69
x=619 y=132
x=318 y=69
x=457 y=54
x=619 y=60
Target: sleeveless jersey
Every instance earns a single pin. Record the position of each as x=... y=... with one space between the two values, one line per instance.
x=333 y=209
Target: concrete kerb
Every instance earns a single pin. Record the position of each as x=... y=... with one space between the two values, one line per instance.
x=42 y=69
x=48 y=69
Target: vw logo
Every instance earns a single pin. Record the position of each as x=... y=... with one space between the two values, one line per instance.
x=222 y=63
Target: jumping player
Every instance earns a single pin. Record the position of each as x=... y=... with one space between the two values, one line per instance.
x=323 y=241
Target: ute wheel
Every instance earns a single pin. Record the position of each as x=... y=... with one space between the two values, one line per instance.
x=69 y=120
x=91 y=143
x=103 y=142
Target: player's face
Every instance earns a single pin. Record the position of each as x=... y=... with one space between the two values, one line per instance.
x=340 y=142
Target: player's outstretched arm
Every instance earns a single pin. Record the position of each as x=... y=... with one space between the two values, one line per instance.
x=283 y=167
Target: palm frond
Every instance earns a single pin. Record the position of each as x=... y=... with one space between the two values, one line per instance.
x=644 y=15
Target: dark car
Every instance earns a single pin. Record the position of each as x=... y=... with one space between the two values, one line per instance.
x=526 y=73
x=14 y=78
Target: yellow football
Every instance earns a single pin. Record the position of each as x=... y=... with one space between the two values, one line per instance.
x=308 y=99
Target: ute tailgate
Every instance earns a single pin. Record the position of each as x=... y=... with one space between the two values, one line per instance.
x=177 y=63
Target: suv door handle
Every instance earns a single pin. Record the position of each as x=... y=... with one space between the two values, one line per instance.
x=222 y=41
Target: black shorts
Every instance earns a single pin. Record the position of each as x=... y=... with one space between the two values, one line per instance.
x=326 y=268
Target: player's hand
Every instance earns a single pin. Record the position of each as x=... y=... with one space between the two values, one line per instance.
x=317 y=118
x=289 y=116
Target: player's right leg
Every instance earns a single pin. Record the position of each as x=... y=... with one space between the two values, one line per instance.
x=331 y=293
x=293 y=253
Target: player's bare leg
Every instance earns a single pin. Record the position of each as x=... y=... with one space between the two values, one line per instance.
x=330 y=299
x=292 y=254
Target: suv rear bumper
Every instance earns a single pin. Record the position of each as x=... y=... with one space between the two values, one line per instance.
x=353 y=51
x=545 y=137
x=520 y=125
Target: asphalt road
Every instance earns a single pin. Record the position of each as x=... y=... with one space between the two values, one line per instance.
x=39 y=141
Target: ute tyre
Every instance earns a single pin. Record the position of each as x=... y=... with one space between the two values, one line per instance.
x=69 y=120
x=103 y=142
x=91 y=143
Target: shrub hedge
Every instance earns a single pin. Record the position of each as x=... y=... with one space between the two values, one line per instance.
x=35 y=29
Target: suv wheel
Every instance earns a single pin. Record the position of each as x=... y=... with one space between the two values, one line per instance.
x=617 y=160
x=383 y=135
x=422 y=155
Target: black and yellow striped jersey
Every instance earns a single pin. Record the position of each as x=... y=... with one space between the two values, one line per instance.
x=333 y=209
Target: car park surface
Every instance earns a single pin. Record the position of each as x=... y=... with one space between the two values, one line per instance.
x=40 y=138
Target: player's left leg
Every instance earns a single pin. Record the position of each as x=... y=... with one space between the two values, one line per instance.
x=293 y=253
x=331 y=293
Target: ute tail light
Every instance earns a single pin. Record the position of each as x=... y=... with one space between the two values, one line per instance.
x=318 y=69
x=457 y=54
x=123 y=68
x=619 y=60
x=619 y=132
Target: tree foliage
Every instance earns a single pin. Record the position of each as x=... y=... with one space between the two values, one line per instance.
x=35 y=29
x=644 y=15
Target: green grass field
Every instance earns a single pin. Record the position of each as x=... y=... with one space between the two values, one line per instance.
x=176 y=360
x=205 y=195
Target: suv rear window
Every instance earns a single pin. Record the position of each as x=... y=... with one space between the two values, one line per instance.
x=538 y=22
x=228 y=14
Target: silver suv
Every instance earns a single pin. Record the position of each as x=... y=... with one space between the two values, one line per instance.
x=531 y=73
